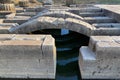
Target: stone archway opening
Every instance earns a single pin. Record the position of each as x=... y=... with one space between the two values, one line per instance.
x=67 y=43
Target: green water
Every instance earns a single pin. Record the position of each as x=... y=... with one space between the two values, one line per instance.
x=67 y=53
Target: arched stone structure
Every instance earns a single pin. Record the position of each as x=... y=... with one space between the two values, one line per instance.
x=62 y=14
x=58 y=14
x=54 y=23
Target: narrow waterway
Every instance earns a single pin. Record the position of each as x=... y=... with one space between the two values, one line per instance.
x=68 y=44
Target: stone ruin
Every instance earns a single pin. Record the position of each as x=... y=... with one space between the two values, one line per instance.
x=34 y=56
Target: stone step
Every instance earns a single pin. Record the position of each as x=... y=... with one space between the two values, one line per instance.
x=101 y=59
x=19 y=9
x=4 y=30
x=92 y=20
x=109 y=49
x=17 y=19
x=26 y=14
x=91 y=14
x=108 y=25
x=8 y=24
x=97 y=69
x=84 y=10
x=90 y=9
x=1 y=21
x=27 y=56
x=105 y=46
x=4 y=27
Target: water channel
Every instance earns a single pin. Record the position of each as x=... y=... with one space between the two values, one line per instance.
x=68 y=44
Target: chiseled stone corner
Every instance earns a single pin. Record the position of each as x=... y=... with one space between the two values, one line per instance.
x=27 y=56
x=101 y=59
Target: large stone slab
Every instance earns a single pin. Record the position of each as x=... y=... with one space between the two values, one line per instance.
x=99 y=20
x=98 y=69
x=4 y=30
x=17 y=19
x=101 y=59
x=4 y=27
x=91 y=14
x=27 y=56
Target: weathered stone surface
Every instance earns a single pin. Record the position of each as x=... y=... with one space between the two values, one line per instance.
x=26 y=14
x=7 y=8
x=50 y=22
x=17 y=19
x=111 y=10
x=24 y=3
x=106 y=25
x=94 y=39
x=63 y=14
x=19 y=9
x=12 y=15
x=101 y=59
x=91 y=14
x=8 y=24
x=27 y=56
x=1 y=20
x=99 y=20
x=4 y=30
x=89 y=9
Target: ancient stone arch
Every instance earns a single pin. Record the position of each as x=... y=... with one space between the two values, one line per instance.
x=58 y=14
x=54 y=23
x=62 y=14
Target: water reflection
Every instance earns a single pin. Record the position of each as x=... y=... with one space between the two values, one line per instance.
x=68 y=44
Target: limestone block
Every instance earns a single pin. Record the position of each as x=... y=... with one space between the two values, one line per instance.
x=93 y=68
x=4 y=30
x=107 y=31
x=91 y=14
x=49 y=52
x=26 y=14
x=107 y=50
x=24 y=3
x=4 y=27
x=106 y=25
x=7 y=8
x=27 y=56
x=12 y=15
x=5 y=1
x=99 y=20
x=1 y=21
x=19 y=9
x=8 y=24
x=94 y=39
x=17 y=19
x=82 y=10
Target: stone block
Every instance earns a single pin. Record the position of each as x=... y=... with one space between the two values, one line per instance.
x=107 y=50
x=17 y=19
x=91 y=14
x=27 y=56
x=26 y=14
x=1 y=20
x=94 y=39
x=4 y=30
x=92 y=20
x=102 y=68
x=8 y=24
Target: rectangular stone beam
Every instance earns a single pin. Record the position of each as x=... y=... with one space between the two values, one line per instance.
x=17 y=19
x=92 y=20
x=27 y=56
